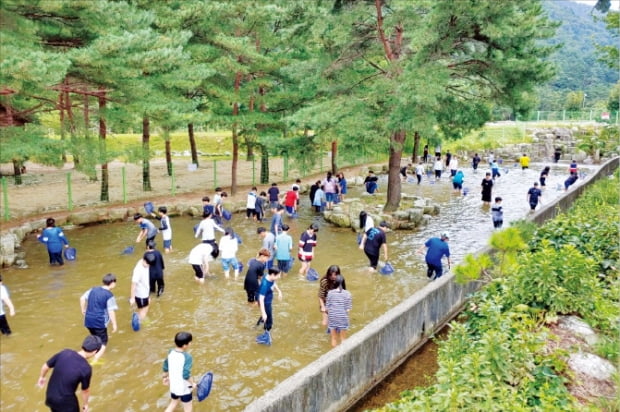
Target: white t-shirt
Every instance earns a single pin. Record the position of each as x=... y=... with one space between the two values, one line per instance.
x=438 y=165
x=370 y=223
x=454 y=164
x=251 y=201
x=207 y=228
x=4 y=294
x=200 y=253
x=177 y=361
x=141 y=278
x=228 y=247
x=419 y=170
x=167 y=233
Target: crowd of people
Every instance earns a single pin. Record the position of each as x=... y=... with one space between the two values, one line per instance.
x=273 y=260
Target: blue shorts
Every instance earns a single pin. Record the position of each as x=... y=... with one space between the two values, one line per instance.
x=290 y=210
x=330 y=197
x=167 y=244
x=273 y=204
x=226 y=263
x=284 y=265
x=457 y=186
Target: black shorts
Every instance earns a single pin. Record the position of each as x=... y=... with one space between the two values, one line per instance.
x=142 y=302
x=198 y=271
x=184 y=398
x=101 y=332
x=374 y=259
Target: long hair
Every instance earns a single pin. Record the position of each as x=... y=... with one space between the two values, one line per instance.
x=363 y=216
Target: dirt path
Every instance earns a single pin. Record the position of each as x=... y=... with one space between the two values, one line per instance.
x=44 y=191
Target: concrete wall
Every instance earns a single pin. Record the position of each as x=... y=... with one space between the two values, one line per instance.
x=345 y=374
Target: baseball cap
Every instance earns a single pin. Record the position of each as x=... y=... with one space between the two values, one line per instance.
x=91 y=343
x=445 y=235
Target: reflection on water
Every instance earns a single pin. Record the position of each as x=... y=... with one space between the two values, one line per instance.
x=48 y=313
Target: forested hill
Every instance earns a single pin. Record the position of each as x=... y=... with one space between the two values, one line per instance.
x=576 y=63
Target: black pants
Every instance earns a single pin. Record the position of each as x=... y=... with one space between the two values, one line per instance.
x=56 y=257
x=156 y=284
x=4 y=326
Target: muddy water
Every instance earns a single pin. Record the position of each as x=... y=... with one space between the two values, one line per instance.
x=48 y=317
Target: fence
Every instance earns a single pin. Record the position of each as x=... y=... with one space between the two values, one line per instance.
x=46 y=189
x=588 y=115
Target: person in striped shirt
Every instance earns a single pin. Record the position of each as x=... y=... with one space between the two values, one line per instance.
x=338 y=305
x=307 y=243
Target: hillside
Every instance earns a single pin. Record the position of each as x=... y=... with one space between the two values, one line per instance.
x=576 y=64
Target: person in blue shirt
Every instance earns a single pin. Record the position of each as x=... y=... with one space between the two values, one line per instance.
x=437 y=249
x=533 y=196
x=99 y=309
x=265 y=298
x=283 y=247
x=54 y=238
x=148 y=230
x=276 y=220
x=495 y=169
x=457 y=181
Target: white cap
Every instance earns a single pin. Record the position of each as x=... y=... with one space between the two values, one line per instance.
x=445 y=235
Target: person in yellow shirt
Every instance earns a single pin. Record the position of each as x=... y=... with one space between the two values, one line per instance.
x=524 y=161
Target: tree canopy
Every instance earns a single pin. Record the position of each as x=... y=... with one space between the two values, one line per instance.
x=288 y=76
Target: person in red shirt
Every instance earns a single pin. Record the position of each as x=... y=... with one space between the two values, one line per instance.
x=290 y=200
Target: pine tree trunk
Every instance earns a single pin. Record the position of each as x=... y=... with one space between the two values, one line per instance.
x=334 y=157
x=146 y=165
x=168 y=155
x=264 y=165
x=91 y=171
x=17 y=171
x=416 y=147
x=192 y=143
x=250 y=146
x=61 y=106
x=393 y=190
x=105 y=190
x=235 y=138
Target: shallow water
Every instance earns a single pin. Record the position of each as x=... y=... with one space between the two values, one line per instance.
x=48 y=314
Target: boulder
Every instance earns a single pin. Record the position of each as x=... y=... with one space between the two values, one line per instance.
x=591 y=365
x=338 y=219
x=415 y=215
x=117 y=214
x=578 y=327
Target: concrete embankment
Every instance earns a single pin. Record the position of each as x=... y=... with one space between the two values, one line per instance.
x=345 y=374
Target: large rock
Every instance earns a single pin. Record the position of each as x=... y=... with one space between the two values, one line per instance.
x=578 y=327
x=591 y=365
x=7 y=249
x=338 y=219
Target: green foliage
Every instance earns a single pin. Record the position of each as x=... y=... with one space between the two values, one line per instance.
x=488 y=138
x=590 y=226
x=506 y=243
x=493 y=359
x=491 y=362
x=610 y=54
x=577 y=62
x=473 y=268
x=29 y=143
x=560 y=280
